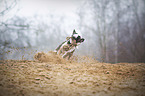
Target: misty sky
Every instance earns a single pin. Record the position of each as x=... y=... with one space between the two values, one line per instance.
x=113 y=29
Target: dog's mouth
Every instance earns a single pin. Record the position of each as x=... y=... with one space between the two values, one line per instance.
x=79 y=39
x=82 y=40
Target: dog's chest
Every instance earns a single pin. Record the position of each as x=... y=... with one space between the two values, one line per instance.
x=68 y=47
x=72 y=41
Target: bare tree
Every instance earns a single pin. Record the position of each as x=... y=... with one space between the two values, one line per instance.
x=117 y=5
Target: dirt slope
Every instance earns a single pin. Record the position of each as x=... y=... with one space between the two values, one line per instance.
x=83 y=77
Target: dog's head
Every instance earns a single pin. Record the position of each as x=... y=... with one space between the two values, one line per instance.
x=77 y=37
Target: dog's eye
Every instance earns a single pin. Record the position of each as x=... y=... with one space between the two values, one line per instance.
x=78 y=37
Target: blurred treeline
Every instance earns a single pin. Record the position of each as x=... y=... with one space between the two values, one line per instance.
x=114 y=30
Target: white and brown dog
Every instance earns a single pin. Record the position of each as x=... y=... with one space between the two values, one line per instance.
x=67 y=48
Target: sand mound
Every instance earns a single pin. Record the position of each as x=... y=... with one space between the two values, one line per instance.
x=32 y=78
x=54 y=58
x=83 y=59
x=49 y=57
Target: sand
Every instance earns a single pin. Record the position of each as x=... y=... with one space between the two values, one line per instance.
x=51 y=75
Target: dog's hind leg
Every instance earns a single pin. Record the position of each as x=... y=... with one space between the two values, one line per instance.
x=70 y=55
x=59 y=51
x=65 y=55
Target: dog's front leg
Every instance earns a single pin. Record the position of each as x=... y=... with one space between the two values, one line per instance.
x=69 y=52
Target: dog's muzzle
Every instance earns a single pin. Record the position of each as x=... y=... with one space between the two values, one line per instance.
x=79 y=39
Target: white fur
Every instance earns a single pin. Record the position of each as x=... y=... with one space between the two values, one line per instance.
x=70 y=40
x=76 y=35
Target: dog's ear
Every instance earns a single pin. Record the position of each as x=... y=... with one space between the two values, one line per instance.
x=74 y=32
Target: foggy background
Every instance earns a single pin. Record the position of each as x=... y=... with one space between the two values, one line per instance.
x=114 y=30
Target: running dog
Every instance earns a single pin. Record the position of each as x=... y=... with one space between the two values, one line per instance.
x=67 y=48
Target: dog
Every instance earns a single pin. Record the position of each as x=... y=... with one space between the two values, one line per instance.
x=67 y=48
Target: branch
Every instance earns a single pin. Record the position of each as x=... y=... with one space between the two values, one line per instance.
x=14 y=25
x=8 y=8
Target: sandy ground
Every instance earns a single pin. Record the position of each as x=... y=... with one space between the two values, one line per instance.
x=49 y=75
